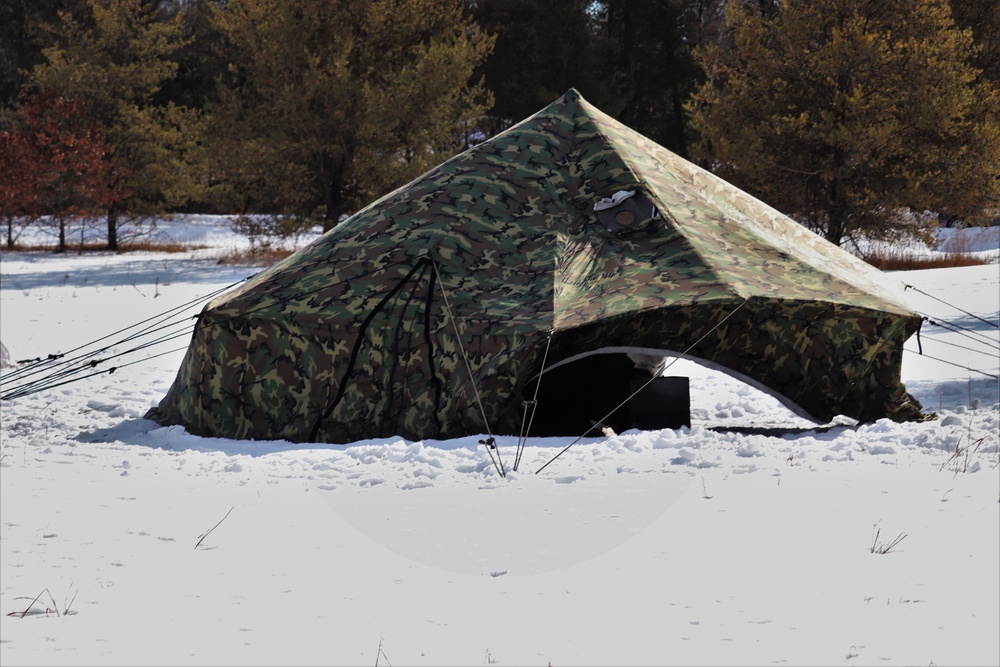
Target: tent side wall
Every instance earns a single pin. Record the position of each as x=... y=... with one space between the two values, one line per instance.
x=402 y=374
x=828 y=359
x=248 y=379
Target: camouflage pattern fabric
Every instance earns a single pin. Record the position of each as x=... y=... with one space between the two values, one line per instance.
x=361 y=334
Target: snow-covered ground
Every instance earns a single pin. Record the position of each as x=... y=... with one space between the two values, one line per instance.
x=122 y=542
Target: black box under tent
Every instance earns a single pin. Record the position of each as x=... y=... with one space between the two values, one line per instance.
x=596 y=389
x=663 y=403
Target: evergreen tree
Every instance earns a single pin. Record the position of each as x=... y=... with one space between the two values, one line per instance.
x=650 y=61
x=543 y=48
x=115 y=57
x=982 y=17
x=846 y=114
x=329 y=103
x=200 y=59
x=25 y=27
x=632 y=58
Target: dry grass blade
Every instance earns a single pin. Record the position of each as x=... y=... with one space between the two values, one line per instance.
x=201 y=538
x=963 y=455
x=954 y=455
x=28 y=609
x=884 y=547
x=381 y=653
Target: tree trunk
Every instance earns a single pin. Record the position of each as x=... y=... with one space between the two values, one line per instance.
x=836 y=215
x=62 y=236
x=112 y=228
x=835 y=228
x=332 y=172
x=628 y=66
x=677 y=103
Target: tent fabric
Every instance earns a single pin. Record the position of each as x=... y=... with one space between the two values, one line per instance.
x=497 y=254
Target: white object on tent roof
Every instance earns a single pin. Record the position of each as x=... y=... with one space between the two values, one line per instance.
x=613 y=200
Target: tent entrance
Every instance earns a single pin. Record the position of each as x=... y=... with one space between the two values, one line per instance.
x=596 y=389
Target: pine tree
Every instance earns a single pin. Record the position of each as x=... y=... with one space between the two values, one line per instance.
x=199 y=59
x=651 y=62
x=24 y=32
x=329 y=103
x=847 y=114
x=115 y=57
x=543 y=48
x=982 y=17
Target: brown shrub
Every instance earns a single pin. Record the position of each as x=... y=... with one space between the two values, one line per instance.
x=909 y=260
x=131 y=246
x=259 y=257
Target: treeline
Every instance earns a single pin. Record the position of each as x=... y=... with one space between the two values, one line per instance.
x=849 y=115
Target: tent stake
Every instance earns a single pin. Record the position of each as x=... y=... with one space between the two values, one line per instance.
x=532 y=404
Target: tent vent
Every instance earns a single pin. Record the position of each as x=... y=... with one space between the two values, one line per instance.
x=626 y=212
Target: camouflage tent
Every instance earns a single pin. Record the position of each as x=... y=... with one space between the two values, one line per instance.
x=429 y=313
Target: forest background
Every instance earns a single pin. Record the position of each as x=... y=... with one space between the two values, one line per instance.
x=859 y=118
